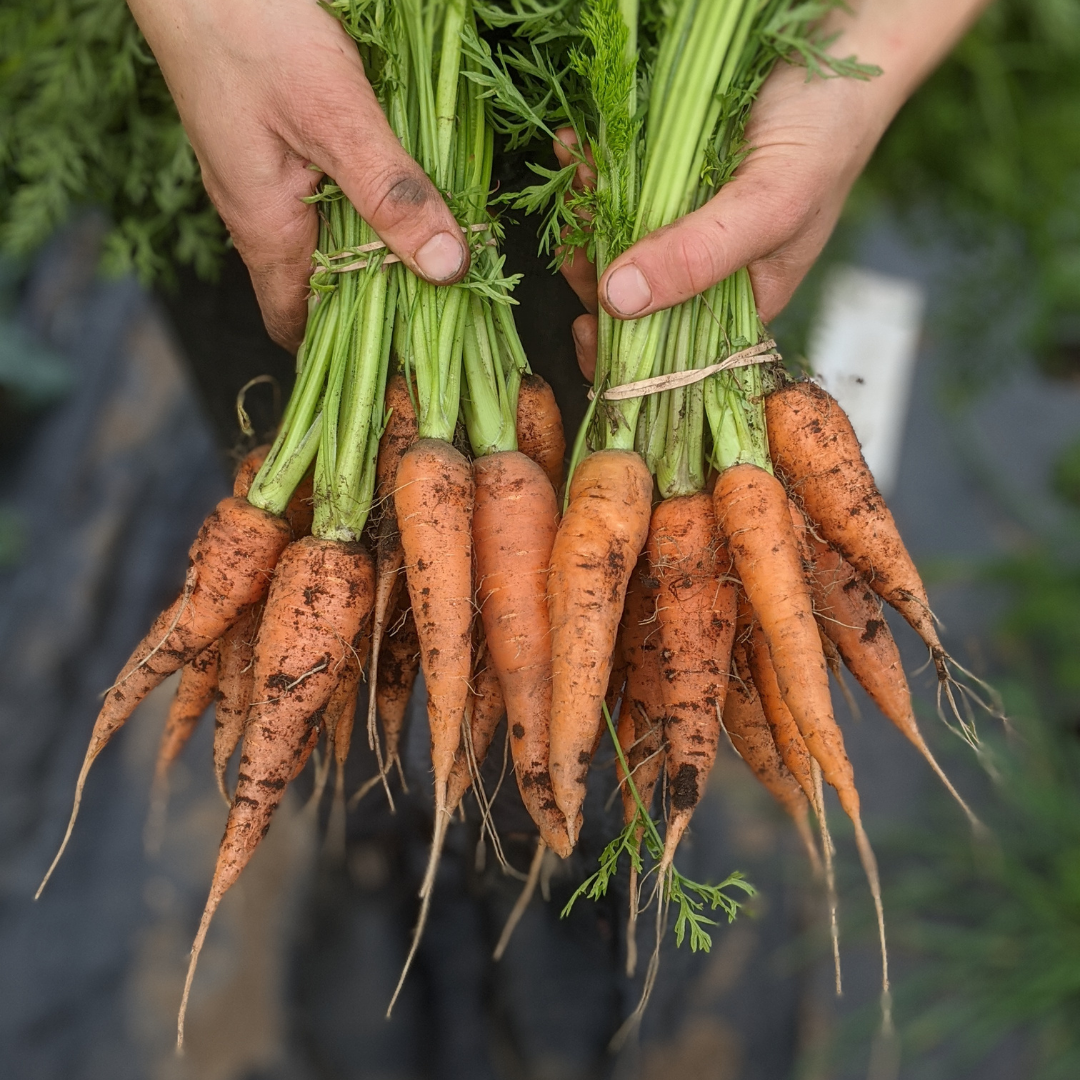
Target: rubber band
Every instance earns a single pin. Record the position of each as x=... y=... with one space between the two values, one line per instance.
x=762 y=353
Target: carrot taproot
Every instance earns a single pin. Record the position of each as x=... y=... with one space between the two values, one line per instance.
x=434 y=499
x=236 y=671
x=229 y=568
x=198 y=687
x=752 y=512
x=751 y=736
x=695 y=617
x=850 y=616
x=311 y=625
x=514 y=526
x=540 y=428
x=814 y=447
x=597 y=545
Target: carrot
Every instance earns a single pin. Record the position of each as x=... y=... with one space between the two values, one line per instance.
x=229 y=568
x=514 y=525
x=786 y=735
x=337 y=721
x=850 y=616
x=320 y=596
x=751 y=735
x=695 y=615
x=642 y=736
x=643 y=699
x=235 y=674
x=398 y=667
x=752 y=512
x=198 y=688
x=434 y=498
x=595 y=550
x=540 y=427
x=484 y=714
x=815 y=449
x=247 y=470
x=397 y=437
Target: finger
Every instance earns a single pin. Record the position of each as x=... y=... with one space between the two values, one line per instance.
x=566 y=145
x=584 y=330
x=580 y=275
x=759 y=217
x=274 y=232
x=347 y=135
x=579 y=272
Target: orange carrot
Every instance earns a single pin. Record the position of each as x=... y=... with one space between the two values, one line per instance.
x=752 y=512
x=514 y=526
x=398 y=667
x=434 y=498
x=850 y=615
x=319 y=599
x=398 y=436
x=229 y=568
x=595 y=550
x=815 y=449
x=695 y=615
x=641 y=737
x=754 y=653
x=643 y=698
x=751 y=735
x=484 y=714
x=247 y=470
x=540 y=427
x=236 y=672
x=198 y=688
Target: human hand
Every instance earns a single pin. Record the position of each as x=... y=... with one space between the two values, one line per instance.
x=810 y=139
x=266 y=89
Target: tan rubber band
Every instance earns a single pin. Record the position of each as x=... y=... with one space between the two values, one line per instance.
x=378 y=245
x=762 y=353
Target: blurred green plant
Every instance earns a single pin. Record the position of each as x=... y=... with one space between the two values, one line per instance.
x=992 y=143
x=997 y=927
x=86 y=120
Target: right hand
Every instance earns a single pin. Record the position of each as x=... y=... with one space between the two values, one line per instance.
x=266 y=89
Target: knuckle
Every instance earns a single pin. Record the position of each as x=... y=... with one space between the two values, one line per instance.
x=397 y=197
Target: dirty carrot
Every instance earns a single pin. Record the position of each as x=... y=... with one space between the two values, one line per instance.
x=229 y=568
x=514 y=526
x=321 y=594
x=596 y=547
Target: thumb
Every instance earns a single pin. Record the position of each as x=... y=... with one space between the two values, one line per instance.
x=353 y=142
x=759 y=215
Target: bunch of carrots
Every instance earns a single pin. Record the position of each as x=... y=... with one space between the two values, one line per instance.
x=721 y=545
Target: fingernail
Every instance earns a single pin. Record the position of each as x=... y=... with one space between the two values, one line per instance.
x=628 y=290
x=442 y=257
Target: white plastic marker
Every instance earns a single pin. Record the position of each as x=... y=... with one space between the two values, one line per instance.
x=863 y=346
